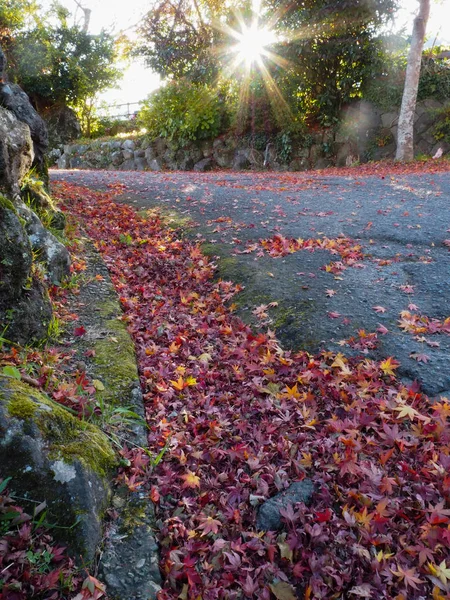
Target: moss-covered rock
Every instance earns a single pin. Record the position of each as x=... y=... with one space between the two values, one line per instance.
x=53 y=456
x=25 y=309
x=16 y=152
x=15 y=253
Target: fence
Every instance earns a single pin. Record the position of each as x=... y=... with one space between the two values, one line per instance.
x=127 y=113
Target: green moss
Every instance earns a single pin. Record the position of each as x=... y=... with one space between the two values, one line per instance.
x=169 y=218
x=114 y=360
x=21 y=407
x=6 y=203
x=209 y=249
x=109 y=309
x=285 y=315
x=67 y=437
x=133 y=515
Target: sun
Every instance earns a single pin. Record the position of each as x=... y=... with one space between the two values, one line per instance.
x=252 y=44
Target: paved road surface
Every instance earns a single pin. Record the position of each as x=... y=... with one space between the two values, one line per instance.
x=401 y=221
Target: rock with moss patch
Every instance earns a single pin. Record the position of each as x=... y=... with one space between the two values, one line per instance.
x=13 y=98
x=16 y=152
x=62 y=124
x=25 y=309
x=49 y=251
x=53 y=457
x=35 y=196
x=15 y=254
x=28 y=318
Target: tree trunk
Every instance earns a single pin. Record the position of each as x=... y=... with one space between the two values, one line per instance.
x=405 y=135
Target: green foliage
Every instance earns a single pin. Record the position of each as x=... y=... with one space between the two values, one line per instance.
x=64 y=65
x=176 y=39
x=183 y=111
x=387 y=88
x=284 y=147
x=332 y=55
x=55 y=62
x=14 y=15
x=434 y=78
x=108 y=126
x=441 y=131
x=328 y=52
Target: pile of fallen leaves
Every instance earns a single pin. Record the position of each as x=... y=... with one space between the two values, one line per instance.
x=31 y=564
x=234 y=419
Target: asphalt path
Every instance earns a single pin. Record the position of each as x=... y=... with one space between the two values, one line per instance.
x=402 y=223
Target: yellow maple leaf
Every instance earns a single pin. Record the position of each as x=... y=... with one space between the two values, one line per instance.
x=443 y=572
x=404 y=410
x=174 y=347
x=191 y=480
x=388 y=366
x=339 y=361
x=383 y=555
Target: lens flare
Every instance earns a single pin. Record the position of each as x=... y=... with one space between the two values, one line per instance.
x=252 y=44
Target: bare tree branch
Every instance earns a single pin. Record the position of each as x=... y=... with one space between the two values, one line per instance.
x=87 y=15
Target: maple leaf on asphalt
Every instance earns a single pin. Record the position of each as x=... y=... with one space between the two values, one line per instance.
x=333 y=315
x=408 y=289
x=420 y=357
x=191 y=480
x=379 y=309
x=382 y=329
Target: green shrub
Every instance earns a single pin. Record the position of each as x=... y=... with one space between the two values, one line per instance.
x=434 y=79
x=441 y=131
x=387 y=89
x=183 y=111
x=109 y=126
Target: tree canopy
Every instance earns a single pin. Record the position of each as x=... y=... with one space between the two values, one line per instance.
x=325 y=53
x=57 y=63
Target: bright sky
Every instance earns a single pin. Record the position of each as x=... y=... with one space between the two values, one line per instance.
x=138 y=82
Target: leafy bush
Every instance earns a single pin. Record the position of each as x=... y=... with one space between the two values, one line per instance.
x=434 y=79
x=441 y=130
x=387 y=89
x=183 y=111
x=109 y=126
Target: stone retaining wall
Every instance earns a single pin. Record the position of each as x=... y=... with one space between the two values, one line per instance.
x=365 y=133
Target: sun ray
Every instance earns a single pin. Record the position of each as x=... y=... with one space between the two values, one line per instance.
x=280 y=107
